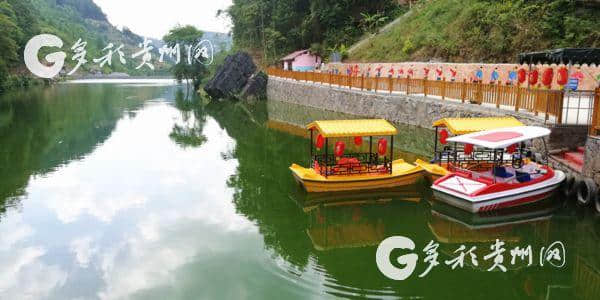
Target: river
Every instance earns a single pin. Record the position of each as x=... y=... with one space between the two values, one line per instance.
x=128 y=190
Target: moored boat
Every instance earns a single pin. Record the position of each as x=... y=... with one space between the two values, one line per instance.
x=335 y=170
x=503 y=176
x=448 y=127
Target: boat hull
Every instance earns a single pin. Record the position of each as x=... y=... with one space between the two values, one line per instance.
x=408 y=174
x=500 y=200
x=434 y=171
x=375 y=183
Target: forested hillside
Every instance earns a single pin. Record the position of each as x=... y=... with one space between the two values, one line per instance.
x=275 y=28
x=448 y=30
x=68 y=19
x=485 y=30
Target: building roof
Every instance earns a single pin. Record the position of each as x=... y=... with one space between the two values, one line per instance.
x=562 y=56
x=501 y=138
x=294 y=54
x=348 y=128
x=469 y=125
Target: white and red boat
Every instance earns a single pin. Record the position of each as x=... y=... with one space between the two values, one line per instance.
x=504 y=176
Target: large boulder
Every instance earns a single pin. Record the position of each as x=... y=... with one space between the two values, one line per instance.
x=256 y=88
x=233 y=77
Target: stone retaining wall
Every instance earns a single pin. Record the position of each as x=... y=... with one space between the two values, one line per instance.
x=405 y=109
x=591 y=167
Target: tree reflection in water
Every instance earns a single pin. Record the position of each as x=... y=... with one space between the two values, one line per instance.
x=189 y=134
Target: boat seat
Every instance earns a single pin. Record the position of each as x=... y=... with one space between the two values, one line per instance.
x=344 y=161
x=317 y=167
x=523 y=176
x=383 y=169
x=502 y=173
x=346 y=164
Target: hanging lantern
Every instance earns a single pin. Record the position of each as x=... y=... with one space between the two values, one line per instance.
x=533 y=77
x=511 y=149
x=339 y=148
x=443 y=136
x=382 y=147
x=468 y=149
x=562 y=76
x=320 y=141
x=358 y=140
x=522 y=75
x=547 y=76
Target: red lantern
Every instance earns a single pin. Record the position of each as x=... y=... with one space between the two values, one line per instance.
x=522 y=75
x=382 y=146
x=547 y=76
x=563 y=76
x=339 y=148
x=468 y=149
x=444 y=137
x=320 y=142
x=511 y=149
x=533 y=77
x=358 y=140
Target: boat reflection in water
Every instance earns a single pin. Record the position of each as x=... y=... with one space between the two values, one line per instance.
x=533 y=225
x=352 y=219
x=520 y=226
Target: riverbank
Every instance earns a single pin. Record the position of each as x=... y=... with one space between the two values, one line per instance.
x=19 y=81
x=416 y=110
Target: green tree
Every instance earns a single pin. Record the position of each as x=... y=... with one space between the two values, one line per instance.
x=9 y=47
x=371 y=22
x=275 y=28
x=186 y=36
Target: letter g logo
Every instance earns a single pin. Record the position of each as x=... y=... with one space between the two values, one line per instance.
x=382 y=257
x=31 y=55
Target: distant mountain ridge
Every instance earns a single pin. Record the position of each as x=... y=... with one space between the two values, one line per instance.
x=75 y=19
x=221 y=41
x=101 y=32
x=72 y=20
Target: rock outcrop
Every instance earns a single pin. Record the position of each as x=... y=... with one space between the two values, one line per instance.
x=256 y=88
x=237 y=77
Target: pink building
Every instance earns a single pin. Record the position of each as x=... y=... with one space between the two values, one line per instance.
x=301 y=60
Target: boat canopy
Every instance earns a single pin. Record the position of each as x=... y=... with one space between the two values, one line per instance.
x=501 y=138
x=470 y=125
x=349 y=128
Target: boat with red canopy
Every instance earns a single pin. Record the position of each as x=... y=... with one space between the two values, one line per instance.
x=505 y=177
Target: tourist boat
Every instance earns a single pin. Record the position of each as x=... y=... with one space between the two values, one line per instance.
x=333 y=169
x=500 y=174
x=447 y=127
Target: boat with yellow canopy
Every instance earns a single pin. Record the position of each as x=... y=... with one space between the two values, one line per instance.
x=333 y=169
x=445 y=154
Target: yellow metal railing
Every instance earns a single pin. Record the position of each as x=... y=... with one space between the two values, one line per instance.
x=548 y=103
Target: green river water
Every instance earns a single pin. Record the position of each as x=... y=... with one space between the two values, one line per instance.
x=127 y=190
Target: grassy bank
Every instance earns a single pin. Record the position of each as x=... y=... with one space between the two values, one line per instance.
x=484 y=31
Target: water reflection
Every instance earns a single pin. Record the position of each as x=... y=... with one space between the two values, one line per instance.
x=349 y=220
x=115 y=191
